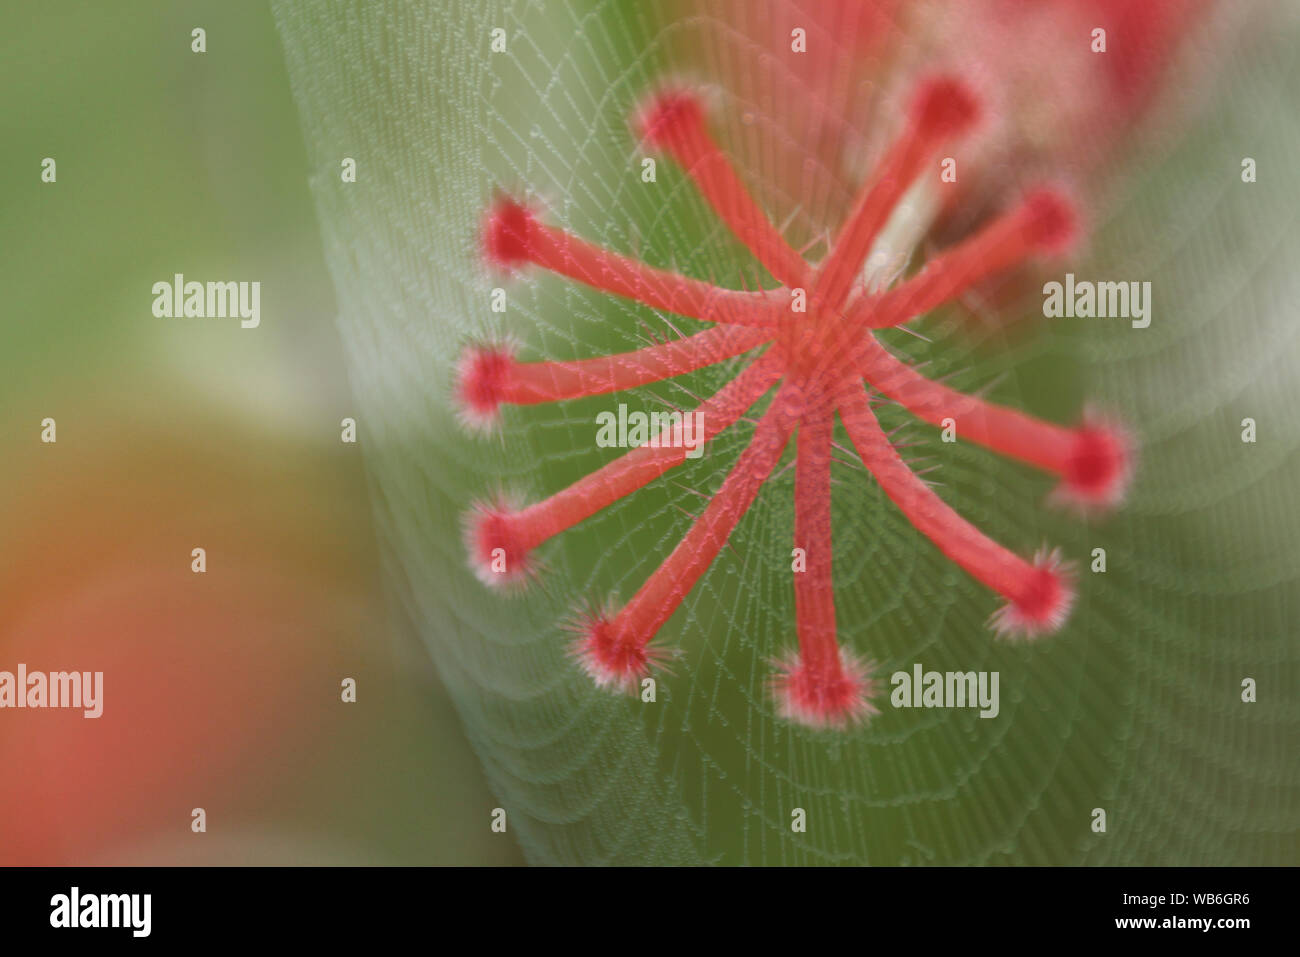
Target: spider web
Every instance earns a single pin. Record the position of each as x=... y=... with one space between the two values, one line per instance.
x=1134 y=707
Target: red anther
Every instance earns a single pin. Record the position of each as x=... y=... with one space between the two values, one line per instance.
x=1051 y=224
x=1097 y=466
x=610 y=656
x=1040 y=602
x=498 y=550
x=669 y=115
x=482 y=376
x=822 y=697
x=943 y=109
x=945 y=106
x=507 y=230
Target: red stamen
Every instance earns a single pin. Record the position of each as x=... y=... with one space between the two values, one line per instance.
x=1094 y=460
x=943 y=108
x=1039 y=595
x=521 y=531
x=1042 y=224
x=821 y=686
x=513 y=236
x=610 y=643
x=490 y=375
x=673 y=121
x=822 y=361
x=814 y=599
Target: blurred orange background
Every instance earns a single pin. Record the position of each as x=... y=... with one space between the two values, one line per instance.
x=221 y=689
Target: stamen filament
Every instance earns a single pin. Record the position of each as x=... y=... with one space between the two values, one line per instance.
x=1006 y=431
x=943 y=108
x=512 y=235
x=529 y=527
x=570 y=256
x=674 y=122
x=529 y=383
x=1038 y=594
x=813 y=593
x=656 y=600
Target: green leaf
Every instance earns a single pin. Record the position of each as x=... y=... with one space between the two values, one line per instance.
x=1134 y=707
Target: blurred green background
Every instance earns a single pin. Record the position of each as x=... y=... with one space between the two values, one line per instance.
x=222 y=690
